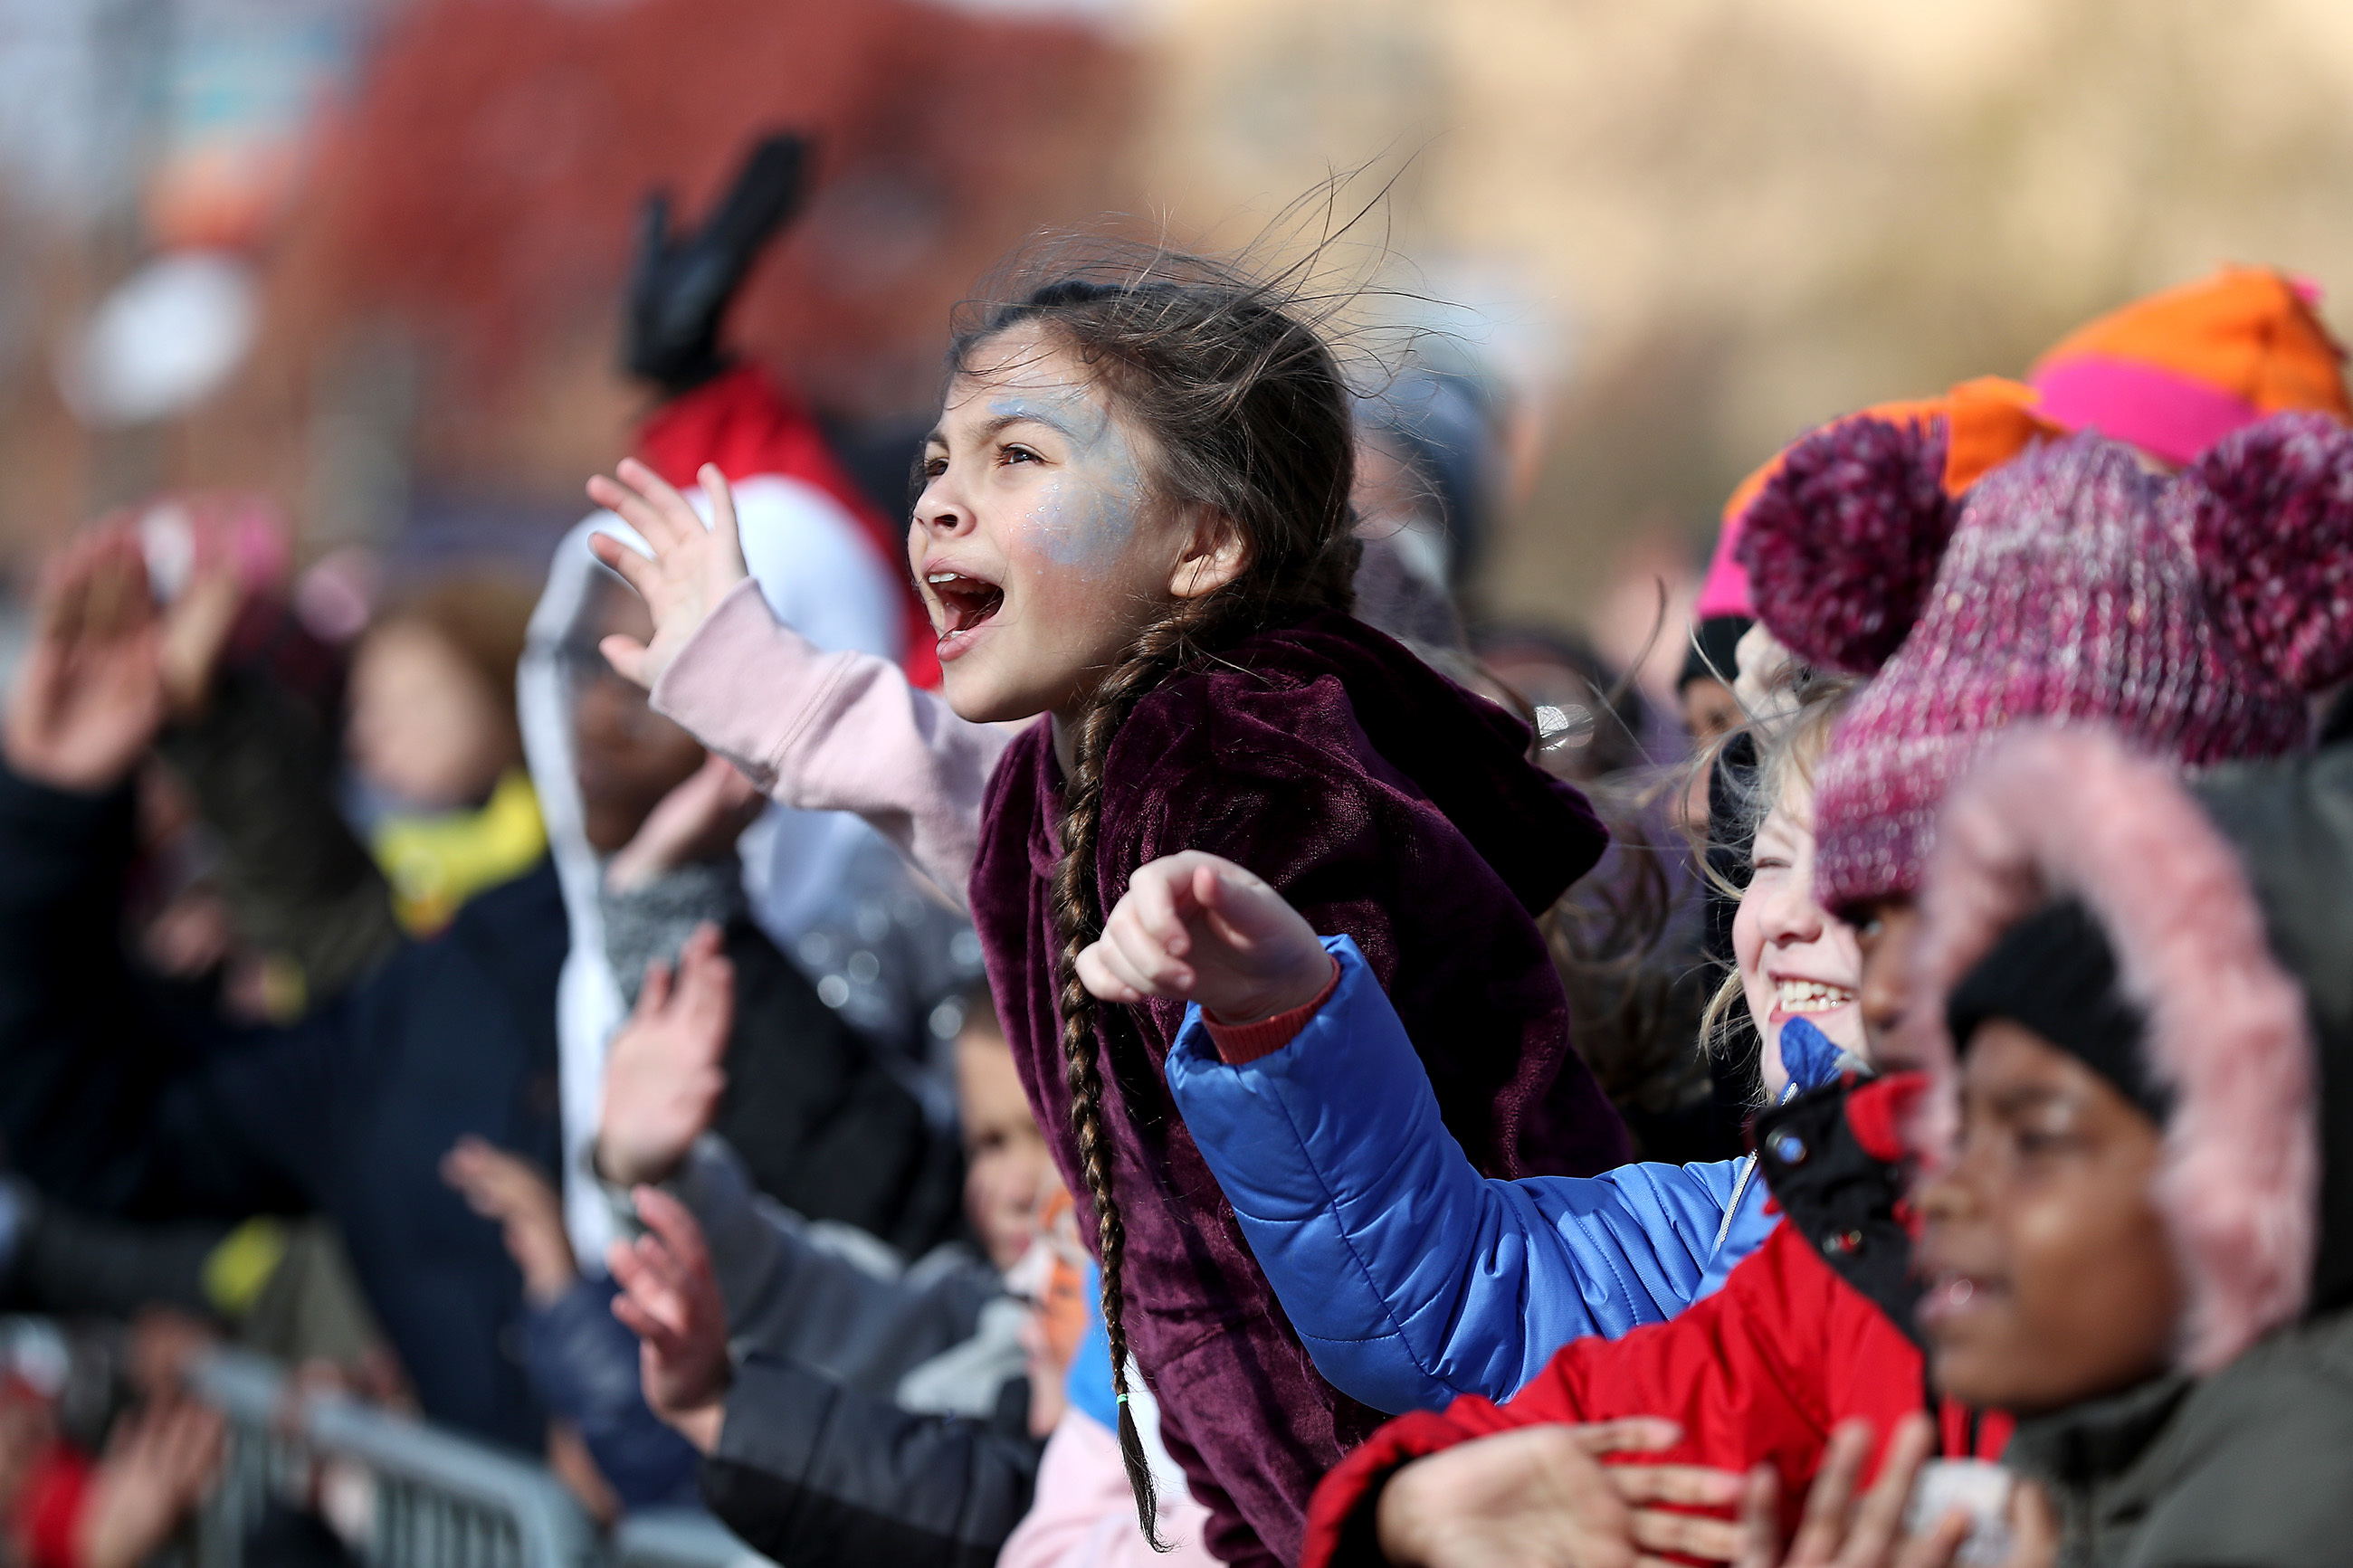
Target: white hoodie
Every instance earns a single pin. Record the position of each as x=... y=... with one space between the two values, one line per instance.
x=819 y=574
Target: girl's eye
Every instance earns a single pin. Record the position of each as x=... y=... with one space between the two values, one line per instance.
x=2034 y=1145
x=934 y=466
x=1771 y=863
x=1019 y=455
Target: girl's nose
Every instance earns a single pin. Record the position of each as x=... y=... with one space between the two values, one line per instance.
x=1945 y=1199
x=939 y=510
x=1791 y=916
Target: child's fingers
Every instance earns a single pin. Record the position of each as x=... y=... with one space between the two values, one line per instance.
x=1155 y=974
x=658 y=1269
x=722 y=504
x=1628 y=1435
x=628 y=658
x=1690 y=1536
x=681 y=523
x=622 y=1258
x=659 y=1337
x=1693 y=1484
x=648 y=502
x=700 y=946
x=1146 y=953
x=1760 y=1520
x=658 y=1293
x=653 y=996
x=668 y=1219
x=635 y=568
x=1941 y=1544
x=1241 y=904
x=1095 y=974
x=2034 y=1526
x=1881 y=1515
x=1823 y=1526
x=1151 y=906
x=706 y=981
x=462 y=1167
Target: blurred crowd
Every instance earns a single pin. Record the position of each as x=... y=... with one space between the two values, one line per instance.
x=1095 y=1005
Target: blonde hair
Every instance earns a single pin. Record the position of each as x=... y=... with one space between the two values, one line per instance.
x=1789 y=749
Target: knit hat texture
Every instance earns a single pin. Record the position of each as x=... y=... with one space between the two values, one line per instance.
x=2174 y=373
x=2193 y=616
x=2055 y=973
x=1980 y=425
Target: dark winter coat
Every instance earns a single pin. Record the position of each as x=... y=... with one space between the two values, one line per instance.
x=814 y=1473
x=1383 y=801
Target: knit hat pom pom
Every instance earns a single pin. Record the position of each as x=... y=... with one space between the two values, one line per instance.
x=2272 y=522
x=1842 y=543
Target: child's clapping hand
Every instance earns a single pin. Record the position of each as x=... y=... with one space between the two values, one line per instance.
x=1199 y=929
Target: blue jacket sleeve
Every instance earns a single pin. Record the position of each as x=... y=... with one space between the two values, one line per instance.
x=1410 y=1277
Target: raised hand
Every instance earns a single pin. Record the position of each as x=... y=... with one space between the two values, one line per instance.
x=159 y=1462
x=1196 y=928
x=511 y=1190
x=699 y=820
x=196 y=630
x=1539 y=1497
x=89 y=696
x=691 y=569
x=670 y=1299
x=662 y=1077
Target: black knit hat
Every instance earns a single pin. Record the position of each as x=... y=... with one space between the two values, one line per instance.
x=2054 y=974
x=1714 y=644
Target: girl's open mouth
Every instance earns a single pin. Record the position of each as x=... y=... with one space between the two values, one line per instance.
x=965 y=604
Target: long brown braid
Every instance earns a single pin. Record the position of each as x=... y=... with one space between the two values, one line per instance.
x=1250 y=421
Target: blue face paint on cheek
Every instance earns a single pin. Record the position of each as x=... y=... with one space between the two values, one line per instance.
x=1085 y=516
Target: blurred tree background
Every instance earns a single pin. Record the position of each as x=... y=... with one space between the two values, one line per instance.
x=1695 y=226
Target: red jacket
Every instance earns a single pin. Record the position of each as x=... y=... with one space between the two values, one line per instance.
x=1763 y=1370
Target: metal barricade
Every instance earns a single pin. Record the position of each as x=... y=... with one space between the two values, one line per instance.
x=421 y=1497
x=432 y=1499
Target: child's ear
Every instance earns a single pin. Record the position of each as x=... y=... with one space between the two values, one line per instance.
x=1215 y=554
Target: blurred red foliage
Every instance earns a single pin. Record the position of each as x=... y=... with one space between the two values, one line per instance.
x=482 y=187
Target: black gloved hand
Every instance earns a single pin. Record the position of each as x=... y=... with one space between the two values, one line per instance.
x=683 y=284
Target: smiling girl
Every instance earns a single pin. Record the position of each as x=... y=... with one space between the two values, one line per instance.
x=1135 y=536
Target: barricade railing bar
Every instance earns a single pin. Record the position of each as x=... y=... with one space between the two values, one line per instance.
x=424 y=1496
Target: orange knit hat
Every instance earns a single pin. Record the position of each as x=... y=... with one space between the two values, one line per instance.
x=2174 y=373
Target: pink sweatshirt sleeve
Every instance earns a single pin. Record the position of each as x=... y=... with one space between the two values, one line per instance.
x=834 y=731
x=1084 y=1516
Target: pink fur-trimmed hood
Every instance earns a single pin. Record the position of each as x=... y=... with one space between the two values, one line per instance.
x=2054 y=813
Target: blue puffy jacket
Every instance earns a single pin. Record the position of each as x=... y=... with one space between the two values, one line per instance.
x=1410 y=1277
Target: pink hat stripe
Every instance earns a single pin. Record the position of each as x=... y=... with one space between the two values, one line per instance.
x=2163 y=412
x=1726 y=590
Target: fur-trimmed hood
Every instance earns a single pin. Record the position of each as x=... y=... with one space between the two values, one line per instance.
x=2198 y=943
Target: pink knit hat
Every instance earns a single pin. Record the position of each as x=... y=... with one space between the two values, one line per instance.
x=1983 y=423
x=2192 y=615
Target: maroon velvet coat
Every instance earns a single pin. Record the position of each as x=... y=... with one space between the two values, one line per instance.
x=1382 y=801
